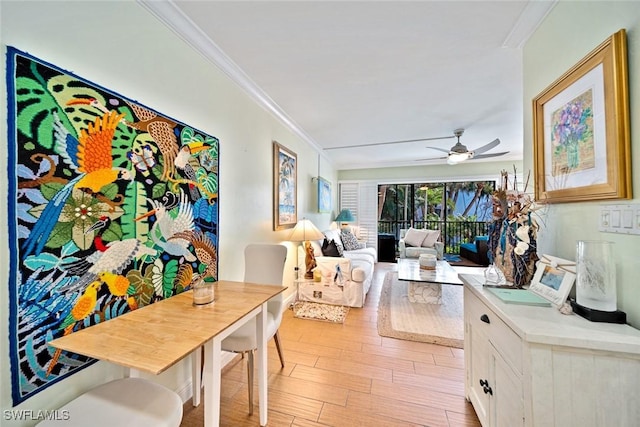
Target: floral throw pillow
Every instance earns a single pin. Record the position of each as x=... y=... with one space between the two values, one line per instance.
x=349 y=241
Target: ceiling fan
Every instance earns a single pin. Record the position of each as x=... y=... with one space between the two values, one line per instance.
x=459 y=153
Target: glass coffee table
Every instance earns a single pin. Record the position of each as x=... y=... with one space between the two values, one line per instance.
x=425 y=286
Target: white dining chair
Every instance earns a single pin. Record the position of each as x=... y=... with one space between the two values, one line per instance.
x=133 y=402
x=263 y=265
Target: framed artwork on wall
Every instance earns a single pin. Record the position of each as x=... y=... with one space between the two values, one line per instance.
x=324 y=195
x=112 y=206
x=285 y=187
x=581 y=129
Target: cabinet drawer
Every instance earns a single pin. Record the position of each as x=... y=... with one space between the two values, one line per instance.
x=501 y=336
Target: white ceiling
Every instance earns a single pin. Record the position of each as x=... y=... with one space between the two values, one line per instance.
x=366 y=72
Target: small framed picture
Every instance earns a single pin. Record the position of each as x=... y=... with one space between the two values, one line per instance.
x=285 y=187
x=324 y=195
x=553 y=279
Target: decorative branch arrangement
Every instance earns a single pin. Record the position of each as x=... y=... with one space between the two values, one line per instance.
x=513 y=232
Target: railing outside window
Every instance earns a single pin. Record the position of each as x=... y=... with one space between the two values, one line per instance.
x=460 y=210
x=452 y=233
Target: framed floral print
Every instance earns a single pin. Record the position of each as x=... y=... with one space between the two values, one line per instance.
x=581 y=129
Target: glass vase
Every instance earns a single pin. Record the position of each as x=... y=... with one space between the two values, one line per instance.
x=203 y=292
x=596 y=275
x=493 y=276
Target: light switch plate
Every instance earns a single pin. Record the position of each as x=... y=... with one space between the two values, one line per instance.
x=623 y=219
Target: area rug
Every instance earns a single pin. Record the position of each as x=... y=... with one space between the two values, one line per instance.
x=441 y=324
x=319 y=311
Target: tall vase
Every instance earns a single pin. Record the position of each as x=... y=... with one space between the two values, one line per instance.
x=596 y=275
x=573 y=154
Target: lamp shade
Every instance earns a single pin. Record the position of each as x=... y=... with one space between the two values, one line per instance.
x=305 y=230
x=345 y=215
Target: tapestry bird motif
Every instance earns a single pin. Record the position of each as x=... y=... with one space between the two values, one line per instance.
x=112 y=206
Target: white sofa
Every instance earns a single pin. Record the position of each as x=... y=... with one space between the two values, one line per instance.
x=356 y=268
x=406 y=250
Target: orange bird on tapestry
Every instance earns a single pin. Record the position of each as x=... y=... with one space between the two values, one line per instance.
x=84 y=306
x=120 y=287
x=91 y=157
x=95 y=157
x=160 y=128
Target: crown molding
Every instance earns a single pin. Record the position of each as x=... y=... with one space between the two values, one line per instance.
x=529 y=20
x=173 y=17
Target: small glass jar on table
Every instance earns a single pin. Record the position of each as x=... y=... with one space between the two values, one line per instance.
x=203 y=292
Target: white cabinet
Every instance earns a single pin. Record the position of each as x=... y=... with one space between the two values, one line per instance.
x=494 y=366
x=532 y=366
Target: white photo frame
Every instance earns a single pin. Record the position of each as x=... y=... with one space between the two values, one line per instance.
x=553 y=279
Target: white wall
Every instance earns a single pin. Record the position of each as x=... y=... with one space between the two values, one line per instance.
x=570 y=31
x=121 y=46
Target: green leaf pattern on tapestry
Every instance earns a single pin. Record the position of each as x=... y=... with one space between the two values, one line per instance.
x=143 y=285
x=164 y=276
x=135 y=204
x=35 y=119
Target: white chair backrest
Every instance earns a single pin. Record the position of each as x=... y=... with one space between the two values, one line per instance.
x=264 y=263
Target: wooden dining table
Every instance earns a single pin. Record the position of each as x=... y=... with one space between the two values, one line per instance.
x=157 y=336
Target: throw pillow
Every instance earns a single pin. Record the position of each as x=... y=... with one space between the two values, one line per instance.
x=329 y=248
x=414 y=237
x=349 y=240
x=431 y=239
x=335 y=236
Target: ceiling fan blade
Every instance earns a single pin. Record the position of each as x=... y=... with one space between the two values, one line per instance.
x=439 y=149
x=403 y=141
x=487 y=147
x=431 y=158
x=486 y=156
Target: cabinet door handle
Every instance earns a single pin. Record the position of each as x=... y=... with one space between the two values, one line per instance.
x=485 y=318
x=485 y=387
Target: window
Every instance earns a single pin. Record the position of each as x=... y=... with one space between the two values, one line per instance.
x=460 y=210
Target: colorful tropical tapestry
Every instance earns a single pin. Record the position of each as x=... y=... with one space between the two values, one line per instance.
x=112 y=206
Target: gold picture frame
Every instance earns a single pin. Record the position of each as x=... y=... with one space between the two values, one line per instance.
x=285 y=187
x=581 y=135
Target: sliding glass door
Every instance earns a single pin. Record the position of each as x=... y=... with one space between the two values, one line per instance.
x=460 y=210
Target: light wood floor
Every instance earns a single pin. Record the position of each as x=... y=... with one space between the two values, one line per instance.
x=348 y=375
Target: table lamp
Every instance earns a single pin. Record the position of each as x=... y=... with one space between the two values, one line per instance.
x=303 y=232
x=345 y=216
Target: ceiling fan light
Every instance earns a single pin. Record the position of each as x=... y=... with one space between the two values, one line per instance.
x=455 y=158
